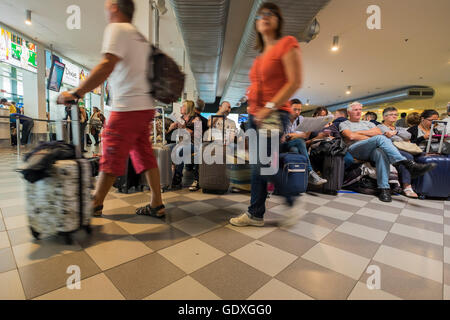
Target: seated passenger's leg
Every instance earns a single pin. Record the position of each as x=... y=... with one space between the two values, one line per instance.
x=394 y=156
x=382 y=165
x=348 y=160
x=405 y=176
x=300 y=145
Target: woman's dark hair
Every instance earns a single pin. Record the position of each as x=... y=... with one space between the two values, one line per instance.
x=428 y=113
x=389 y=109
x=319 y=110
x=275 y=10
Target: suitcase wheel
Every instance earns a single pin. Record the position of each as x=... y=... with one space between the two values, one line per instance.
x=35 y=234
x=88 y=229
x=68 y=238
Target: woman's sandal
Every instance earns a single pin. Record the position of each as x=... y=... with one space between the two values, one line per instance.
x=98 y=211
x=152 y=212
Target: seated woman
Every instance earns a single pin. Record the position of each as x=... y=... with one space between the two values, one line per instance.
x=421 y=133
x=389 y=129
x=294 y=141
x=188 y=118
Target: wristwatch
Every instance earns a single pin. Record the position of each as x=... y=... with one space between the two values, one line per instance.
x=270 y=105
x=75 y=94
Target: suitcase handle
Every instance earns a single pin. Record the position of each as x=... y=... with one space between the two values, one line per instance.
x=163 y=126
x=75 y=126
x=441 y=142
x=223 y=127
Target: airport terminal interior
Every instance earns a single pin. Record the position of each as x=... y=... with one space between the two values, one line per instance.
x=343 y=246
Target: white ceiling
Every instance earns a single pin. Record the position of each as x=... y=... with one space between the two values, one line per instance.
x=83 y=46
x=375 y=61
x=372 y=61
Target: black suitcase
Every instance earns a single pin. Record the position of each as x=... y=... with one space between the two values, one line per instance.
x=213 y=178
x=130 y=182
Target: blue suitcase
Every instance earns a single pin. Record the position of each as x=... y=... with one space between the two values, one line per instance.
x=292 y=176
x=435 y=183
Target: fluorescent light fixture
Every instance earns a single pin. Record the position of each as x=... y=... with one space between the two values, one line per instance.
x=335 y=46
x=161 y=5
x=28 y=20
x=349 y=90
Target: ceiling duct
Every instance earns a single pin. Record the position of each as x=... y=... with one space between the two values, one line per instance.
x=203 y=24
x=297 y=15
x=389 y=97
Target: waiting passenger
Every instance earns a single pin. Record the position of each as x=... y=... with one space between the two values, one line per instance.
x=402 y=122
x=217 y=123
x=395 y=133
x=420 y=133
x=368 y=144
x=295 y=141
x=372 y=117
x=413 y=119
x=188 y=118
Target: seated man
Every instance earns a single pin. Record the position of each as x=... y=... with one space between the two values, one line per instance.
x=217 y=123
x=367 y=143
x=295 y=141
x=27 y=125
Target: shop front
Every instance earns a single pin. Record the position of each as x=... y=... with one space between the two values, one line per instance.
x=18 y=70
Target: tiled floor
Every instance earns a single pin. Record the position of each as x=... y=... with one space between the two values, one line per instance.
x=330 y=253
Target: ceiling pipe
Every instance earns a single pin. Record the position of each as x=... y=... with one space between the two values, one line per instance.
x=408 y=93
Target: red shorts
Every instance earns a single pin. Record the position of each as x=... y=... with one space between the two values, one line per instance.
x=127 y=133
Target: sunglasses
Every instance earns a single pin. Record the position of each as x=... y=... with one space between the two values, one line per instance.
x=265 y=14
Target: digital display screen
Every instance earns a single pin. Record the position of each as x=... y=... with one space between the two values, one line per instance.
x=56 y=76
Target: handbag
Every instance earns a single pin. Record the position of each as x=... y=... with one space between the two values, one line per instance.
x=273 y=121
x=409 y=147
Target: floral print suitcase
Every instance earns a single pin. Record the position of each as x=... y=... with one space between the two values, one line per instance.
x=61 y=203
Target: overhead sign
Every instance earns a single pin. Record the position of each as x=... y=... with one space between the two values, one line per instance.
x=18 y=52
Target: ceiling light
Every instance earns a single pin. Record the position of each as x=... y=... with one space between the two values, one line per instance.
x=161 y=5
x=28 y=20
x=335 y=46
x=349 y=90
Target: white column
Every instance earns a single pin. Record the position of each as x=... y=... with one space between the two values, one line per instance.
x=34 y=93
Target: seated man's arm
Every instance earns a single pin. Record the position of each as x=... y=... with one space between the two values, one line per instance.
x=371 y=132
x=354 y=136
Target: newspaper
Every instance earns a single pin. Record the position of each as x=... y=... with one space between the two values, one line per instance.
x=314 y=124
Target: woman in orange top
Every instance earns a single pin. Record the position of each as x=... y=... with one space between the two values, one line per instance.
x=275 y=76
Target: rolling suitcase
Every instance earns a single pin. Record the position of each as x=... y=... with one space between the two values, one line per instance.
x=162 y=152
x=62 y=203
x=435 y=183
x=292 y=176
x=213 y=178
x=130 y=182
x=333 y=170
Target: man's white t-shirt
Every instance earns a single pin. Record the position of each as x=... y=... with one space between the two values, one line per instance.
x=129 y=85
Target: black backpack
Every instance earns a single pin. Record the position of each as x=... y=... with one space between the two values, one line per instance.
x=165 y=77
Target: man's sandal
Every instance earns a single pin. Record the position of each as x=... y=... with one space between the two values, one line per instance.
x=152 y=212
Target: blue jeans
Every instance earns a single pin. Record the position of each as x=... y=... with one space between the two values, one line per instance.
x=179 y=168
x=348 y=160
x=404 y=175
x=258 y=197
x=298 y=146
x=380 y=150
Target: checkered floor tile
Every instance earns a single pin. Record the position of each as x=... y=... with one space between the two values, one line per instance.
x=330 y=252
